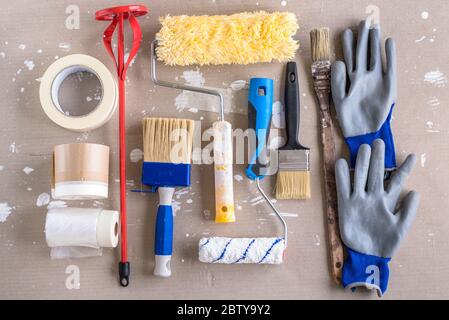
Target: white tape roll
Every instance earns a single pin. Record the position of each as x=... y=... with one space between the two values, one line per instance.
x=107 y=229
x=58 y=72
x=80 y=190
x=81 y=227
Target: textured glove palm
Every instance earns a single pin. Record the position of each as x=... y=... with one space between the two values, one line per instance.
x=371 y=226
x=364 y=110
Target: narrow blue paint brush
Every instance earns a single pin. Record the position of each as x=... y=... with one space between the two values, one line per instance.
x=167 y=148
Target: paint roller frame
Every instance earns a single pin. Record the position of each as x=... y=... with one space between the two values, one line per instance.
x=278 y=214
x=174 y=85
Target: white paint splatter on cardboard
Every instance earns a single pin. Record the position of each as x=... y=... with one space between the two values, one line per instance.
x=28 y=170
x=423 y=160
x=65 y=46
x=193 y=101
x=57 y=204
x=136 y=155
x=238 y=85
x=43 y=199
x=5 y=211
x=13 y=148
x=278 y=118
x=29 y=64
x=436 y=78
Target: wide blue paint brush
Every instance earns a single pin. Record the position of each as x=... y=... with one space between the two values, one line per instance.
x=167 y=148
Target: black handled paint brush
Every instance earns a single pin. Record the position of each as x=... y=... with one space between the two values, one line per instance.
x=293 y=178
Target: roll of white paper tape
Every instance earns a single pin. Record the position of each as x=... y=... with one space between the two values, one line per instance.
x=81 y=227
x=58 y=72
x=80 y=190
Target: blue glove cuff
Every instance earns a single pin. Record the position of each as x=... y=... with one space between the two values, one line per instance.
x=384 y=133
x=365 y=270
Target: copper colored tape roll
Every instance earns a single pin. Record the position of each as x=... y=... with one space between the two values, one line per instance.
x=80 y=171
x=74 y=176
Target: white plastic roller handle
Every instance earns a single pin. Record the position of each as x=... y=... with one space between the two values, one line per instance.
x=224 y=188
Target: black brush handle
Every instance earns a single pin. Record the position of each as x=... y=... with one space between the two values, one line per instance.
x=291 y=103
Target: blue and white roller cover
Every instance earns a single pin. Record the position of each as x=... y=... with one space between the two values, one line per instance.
x=241 y=250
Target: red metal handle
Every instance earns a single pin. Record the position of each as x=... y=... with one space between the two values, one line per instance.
x=117 y=15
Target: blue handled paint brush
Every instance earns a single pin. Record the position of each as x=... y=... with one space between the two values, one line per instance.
x=167 y=148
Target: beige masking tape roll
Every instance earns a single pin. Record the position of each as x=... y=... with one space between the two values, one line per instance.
x=51 y=83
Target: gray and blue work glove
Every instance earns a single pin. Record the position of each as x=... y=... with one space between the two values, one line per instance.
x=372 y=219
x=364 y=94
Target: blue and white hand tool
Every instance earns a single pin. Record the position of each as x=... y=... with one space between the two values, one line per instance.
x=167 y=145
x=260 y=108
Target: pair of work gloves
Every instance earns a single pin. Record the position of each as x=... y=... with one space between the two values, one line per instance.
x=373 y=220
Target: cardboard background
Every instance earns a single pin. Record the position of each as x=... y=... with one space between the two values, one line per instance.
x=27 y=136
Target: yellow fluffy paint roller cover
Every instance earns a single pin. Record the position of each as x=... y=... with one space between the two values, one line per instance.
x=241 y=38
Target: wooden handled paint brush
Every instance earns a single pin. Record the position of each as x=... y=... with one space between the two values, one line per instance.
x=321 y=73
x=167 y=145
x=293 y=178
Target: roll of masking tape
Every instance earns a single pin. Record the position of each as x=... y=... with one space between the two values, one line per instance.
x=80 y=171
x=51 y=83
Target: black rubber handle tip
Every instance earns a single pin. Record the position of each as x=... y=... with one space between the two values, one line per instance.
x=123 y=271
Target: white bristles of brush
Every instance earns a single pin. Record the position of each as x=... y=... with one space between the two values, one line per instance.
x=241 y=250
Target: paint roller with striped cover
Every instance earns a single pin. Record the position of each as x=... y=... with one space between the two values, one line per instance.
x=251 y=250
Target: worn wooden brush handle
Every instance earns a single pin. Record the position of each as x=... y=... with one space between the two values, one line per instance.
x=321 y=76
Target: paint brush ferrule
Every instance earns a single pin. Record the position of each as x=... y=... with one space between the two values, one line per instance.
x=164 y=174
x=321 y=74
x=294 y=160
